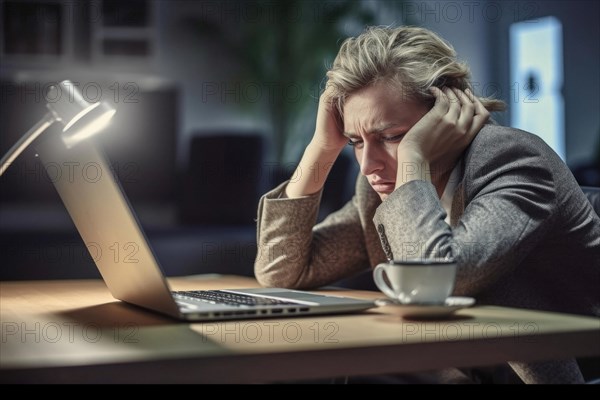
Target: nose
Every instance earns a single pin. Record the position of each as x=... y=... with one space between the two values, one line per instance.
x=371 y=160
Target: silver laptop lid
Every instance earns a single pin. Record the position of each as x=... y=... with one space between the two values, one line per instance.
x=110 y=230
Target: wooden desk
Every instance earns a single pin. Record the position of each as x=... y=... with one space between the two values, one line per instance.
x=74 y=331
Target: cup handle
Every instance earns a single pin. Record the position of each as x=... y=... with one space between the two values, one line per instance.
x=380 y=282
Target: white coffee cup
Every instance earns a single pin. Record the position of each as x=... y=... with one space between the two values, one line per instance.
x=416 y=281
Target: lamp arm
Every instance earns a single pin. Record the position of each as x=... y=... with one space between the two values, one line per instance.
x=27 y=138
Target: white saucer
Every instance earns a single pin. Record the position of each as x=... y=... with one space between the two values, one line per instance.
x=452 y=304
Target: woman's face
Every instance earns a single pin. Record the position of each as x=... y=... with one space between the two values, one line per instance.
x=376 y=119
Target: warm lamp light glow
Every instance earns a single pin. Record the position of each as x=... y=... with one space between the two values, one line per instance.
x=86 y=124
x=81 y=119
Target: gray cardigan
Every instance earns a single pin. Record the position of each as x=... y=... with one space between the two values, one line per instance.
x=523 y=232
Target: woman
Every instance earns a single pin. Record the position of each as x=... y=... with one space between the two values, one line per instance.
x=437 y=180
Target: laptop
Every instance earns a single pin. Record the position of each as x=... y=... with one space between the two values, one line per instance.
x=114 y=237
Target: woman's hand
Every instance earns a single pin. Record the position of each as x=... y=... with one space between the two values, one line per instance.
x=329 y=128
x=446 y=130
x=322 y=151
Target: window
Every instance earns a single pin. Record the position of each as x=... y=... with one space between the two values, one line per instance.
x=536 y=71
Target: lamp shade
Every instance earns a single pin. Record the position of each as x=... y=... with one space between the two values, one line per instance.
x=80 y=118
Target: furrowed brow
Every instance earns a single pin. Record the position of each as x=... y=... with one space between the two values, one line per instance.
x=376 y=131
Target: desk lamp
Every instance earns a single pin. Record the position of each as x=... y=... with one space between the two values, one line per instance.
x=80 y=118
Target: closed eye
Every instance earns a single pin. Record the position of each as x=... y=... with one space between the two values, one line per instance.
x=354 y=142
x=393 y=139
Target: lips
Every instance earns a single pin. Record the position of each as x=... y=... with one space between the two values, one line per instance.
x=383 y=186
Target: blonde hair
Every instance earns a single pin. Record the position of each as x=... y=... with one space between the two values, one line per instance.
x=414 y=59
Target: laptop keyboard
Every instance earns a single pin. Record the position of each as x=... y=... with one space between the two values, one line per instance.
x=232 y=299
